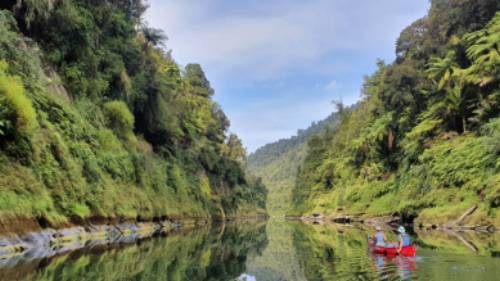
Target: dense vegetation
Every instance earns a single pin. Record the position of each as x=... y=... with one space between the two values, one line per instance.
x=277 y=164
x=424 y=142
x=98 y=121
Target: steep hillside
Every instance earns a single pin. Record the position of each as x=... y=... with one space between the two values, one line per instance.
x=97 y=121
x=424 y=141
x=277 y=164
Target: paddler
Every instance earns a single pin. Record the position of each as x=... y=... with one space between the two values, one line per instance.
x=379 y=237
x=404 y=239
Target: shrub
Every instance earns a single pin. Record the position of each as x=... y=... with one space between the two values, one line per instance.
x=120 y=120
x=17 y=108
x=492 y=130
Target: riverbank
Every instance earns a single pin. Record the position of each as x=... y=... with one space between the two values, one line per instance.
x=32 y=239
x=395 y=220
x=215 y=251
x=47 y=242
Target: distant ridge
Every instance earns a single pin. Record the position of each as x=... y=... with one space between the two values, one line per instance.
x=277 y=163
x=271 y=151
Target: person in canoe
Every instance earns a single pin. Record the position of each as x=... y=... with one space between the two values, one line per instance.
x=404 y=239
x=379 y=237
x=402 y=247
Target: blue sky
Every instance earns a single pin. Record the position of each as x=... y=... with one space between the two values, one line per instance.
x=277 y=65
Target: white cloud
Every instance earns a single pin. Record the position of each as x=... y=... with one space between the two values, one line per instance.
x=261 y=55
x=273 y=119
x=333 y=86
x=286 y=37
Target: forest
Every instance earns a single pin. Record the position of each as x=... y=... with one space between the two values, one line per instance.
x=277 y=164
x=424 y=141
x=98 y=121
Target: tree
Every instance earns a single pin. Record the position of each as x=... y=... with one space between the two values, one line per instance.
x=195 y=77
x=153 y=37
x=236 y=150
x=31 y=10
x=411 y=43
x=484 y=52
x=449 y=78
x=457 y=17
x=444 y=71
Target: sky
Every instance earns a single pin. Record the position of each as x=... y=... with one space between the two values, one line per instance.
x=277 y=65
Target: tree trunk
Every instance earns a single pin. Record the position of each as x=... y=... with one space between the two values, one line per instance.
x=464 y=124
x=390 y=140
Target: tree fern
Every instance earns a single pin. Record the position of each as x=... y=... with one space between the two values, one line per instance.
x=484 y=52
x=443 y=70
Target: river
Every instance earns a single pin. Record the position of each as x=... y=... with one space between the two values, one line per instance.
x=273 y=250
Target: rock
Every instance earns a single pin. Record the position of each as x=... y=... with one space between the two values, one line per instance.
x=50 y=242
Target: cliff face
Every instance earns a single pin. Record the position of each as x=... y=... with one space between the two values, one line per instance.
x=97 y=123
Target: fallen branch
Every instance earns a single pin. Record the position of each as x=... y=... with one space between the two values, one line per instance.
x=464 y=215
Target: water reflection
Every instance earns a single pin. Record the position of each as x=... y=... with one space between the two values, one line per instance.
x=402 y=267
x=218 y=253
x=276 y=251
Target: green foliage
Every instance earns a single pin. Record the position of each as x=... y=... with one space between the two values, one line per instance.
x=424 y=137
x=32 y=10
x=153 y=36
x=235 y=149
x=17 y=105
x=277 y=164
x=120 y=119
x=68 y=127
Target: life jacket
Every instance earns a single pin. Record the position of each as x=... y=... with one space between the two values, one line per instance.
x=406 y=240
x=379 y=239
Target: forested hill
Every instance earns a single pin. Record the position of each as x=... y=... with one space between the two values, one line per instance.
x=269 y=152
x=277 y=164
x=424 y=141
x=97 y=120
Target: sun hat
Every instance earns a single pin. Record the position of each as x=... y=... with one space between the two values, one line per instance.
x=401 y=229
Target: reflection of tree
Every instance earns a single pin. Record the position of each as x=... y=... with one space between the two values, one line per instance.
x=280 y=259
x=230 y=253
x=195 y=255
x=330 y=253
x=466 y=242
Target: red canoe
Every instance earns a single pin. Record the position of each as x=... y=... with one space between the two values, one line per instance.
x=409 y=251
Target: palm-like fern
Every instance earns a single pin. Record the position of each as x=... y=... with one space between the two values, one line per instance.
x=444 y=70
x=450 y=77
x=153 y=36
x=484 y=53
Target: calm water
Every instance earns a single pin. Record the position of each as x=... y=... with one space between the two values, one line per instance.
x=276 y=250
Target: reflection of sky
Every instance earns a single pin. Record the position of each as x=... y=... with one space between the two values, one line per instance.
x=276 y=65
x=246 y=277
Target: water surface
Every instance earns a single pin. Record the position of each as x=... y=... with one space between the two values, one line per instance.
x=276 y=250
